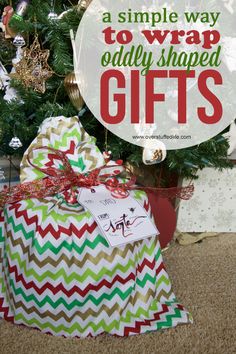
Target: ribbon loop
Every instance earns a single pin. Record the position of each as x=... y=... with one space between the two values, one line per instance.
x=65 y=179
x=53 y=171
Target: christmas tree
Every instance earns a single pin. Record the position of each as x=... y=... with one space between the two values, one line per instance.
x=44 y=28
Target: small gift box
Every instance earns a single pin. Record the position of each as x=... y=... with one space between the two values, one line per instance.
x=212 y=208
x=9 y=171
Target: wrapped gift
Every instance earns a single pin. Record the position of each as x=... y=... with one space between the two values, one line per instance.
x=212 y=208
x=9 y=171
x=58 y=273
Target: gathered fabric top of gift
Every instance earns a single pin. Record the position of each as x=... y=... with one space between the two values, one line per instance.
x=64 y=134
x=64 y=157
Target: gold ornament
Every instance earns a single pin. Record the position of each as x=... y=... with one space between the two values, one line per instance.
x=32 y=70
x=154 y=156
x=157 y=155
x=73 y=91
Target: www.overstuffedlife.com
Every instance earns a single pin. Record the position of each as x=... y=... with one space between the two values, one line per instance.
x=161 y=137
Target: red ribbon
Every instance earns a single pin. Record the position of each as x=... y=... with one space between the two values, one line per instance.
x=66 y=180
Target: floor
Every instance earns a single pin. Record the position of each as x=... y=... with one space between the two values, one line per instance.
x=204 y=279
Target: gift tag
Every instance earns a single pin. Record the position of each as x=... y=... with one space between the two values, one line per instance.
x=121 y=220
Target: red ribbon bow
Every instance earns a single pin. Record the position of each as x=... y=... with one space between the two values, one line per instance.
x=66 y=180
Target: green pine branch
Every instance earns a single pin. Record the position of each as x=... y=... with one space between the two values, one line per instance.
x=23 y=116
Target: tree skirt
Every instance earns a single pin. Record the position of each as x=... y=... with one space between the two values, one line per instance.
x=58 y=274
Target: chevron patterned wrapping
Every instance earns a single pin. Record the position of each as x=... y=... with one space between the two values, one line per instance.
x=59 y=274
x=65 y=134
x=57 y=271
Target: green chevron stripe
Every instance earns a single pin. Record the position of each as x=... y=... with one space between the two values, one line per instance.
x=72 y=246
x=158 y=254
x=139 y=194
x=149 y=250
x=3 y=285
x=4 y=272
x=20 y=227
x=23 y=264
x=95 y=300
x=69 y=247
x=63 y=141
x=45 y=214
x=30 y=234
x=140 y=311
x=54 y=304
x=142 y=283
x=37 y=160
x=76 y=326
x=95 y=275
x=44 y=208
x=169 y=318
x=79 y=163
x=96 y=327
x=68 y=260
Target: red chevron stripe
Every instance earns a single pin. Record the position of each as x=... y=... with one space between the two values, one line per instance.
x=151 y=265
x=137 y=328
x=5 y=311
x=147 y=263
x=71 y=149
x=146 y=205
x=138 y=324
x=1 y=216
x=19 y=213
x=160 y=268
x=69 y=230
x=73 y=290
x=52 y=157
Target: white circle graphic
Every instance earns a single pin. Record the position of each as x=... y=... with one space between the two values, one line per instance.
x=155 y=71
